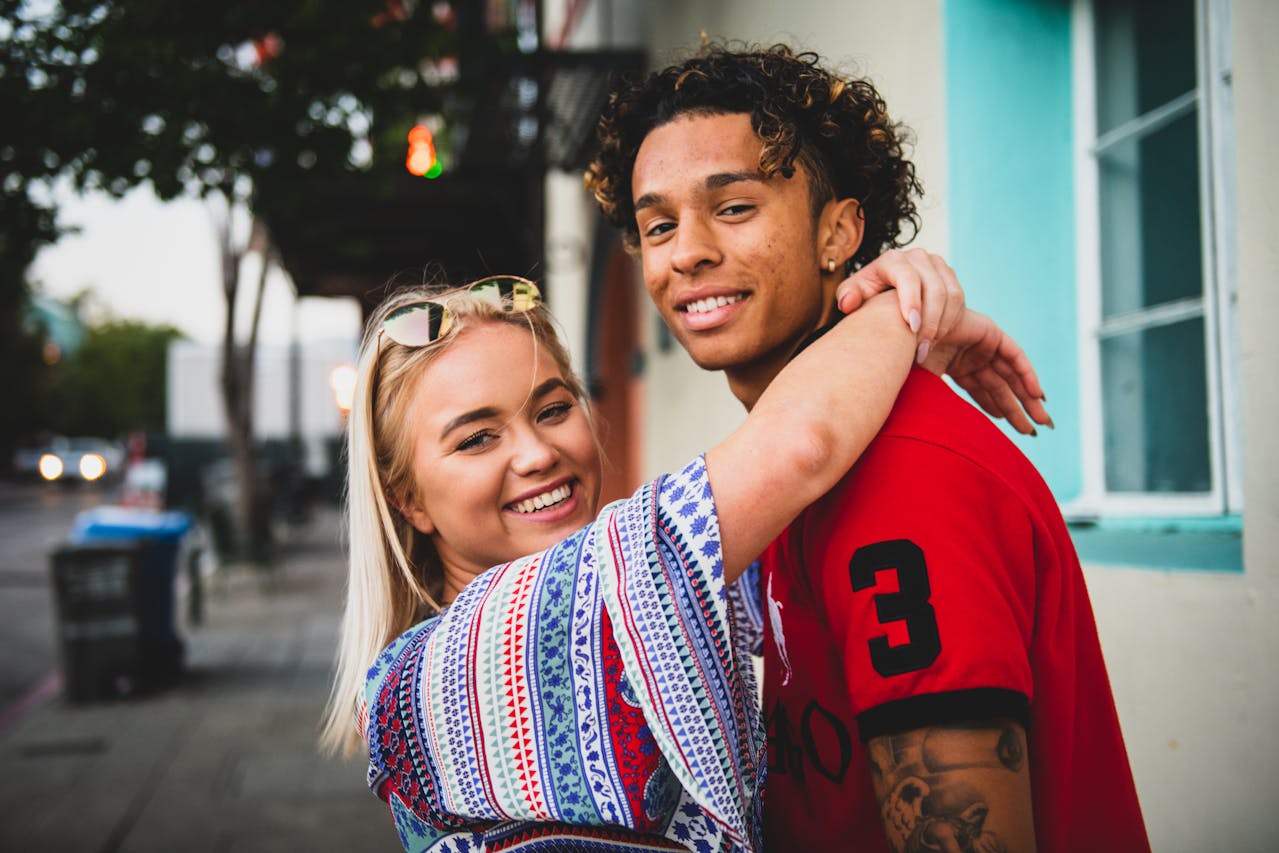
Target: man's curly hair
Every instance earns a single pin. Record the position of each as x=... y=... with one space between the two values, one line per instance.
x=837 y=129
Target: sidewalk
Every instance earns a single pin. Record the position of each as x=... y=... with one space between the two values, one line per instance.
x=226 y=760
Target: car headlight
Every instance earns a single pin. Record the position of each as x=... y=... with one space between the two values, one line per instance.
x=92 y=466
x=50 y=466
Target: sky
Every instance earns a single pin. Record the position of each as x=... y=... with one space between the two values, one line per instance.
x=158 y=262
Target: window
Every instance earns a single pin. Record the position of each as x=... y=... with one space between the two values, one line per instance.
x=1155 y=201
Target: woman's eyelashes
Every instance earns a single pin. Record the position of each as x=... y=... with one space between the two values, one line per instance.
x=482 y=439
x=478 y=440
x=555 y=412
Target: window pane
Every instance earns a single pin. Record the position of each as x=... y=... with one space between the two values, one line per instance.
x=1154 y=383
x=1150 y=228
x=1145 y=56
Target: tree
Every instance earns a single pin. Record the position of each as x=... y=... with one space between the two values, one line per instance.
x=248 y=102
x=115 y=382
x=25 y=228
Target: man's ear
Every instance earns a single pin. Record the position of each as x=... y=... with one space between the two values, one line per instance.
x=839 y=232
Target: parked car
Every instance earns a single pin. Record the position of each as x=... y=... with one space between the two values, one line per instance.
x=26 y=461
x=74 y=460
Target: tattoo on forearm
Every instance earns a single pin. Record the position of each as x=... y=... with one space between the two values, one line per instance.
x=934 y=785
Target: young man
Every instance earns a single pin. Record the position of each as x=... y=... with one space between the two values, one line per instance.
x=933 y=679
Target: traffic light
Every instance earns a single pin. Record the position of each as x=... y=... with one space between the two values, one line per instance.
x=422 y=160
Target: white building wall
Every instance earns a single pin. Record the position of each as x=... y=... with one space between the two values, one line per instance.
x=570 y=210
x=195 y=395
x=570 y=216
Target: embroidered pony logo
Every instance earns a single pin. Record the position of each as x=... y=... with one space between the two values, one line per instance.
x=779 y=637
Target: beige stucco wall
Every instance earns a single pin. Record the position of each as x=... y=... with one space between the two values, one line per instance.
x=1191 y=664
x=1256 y=77
x=1256 y=32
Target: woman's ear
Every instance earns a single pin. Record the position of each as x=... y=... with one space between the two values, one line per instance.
x=415 y=515
x=839 y=232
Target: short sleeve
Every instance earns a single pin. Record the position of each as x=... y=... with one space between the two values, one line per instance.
x=927 y=582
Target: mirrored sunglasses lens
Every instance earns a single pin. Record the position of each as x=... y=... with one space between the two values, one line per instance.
x=520 y=294
x=525 y=296
x=417 y=325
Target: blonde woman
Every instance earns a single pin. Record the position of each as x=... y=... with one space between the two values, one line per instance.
x=591 y=691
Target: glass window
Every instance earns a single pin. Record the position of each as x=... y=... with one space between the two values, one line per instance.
x=1156 y=432
x=1150 y=219
x=1156 y=390
x=1145 y=57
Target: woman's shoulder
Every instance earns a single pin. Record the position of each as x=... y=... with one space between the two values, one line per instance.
x=392 y=657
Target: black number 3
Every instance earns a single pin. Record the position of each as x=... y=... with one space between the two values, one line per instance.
x=908 y=604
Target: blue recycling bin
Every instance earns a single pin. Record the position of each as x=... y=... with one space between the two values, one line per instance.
x=115 y=581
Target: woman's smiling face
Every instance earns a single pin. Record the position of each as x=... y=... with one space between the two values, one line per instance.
x=504 y=459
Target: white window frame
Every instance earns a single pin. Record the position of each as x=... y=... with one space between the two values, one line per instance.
x=1214 y=97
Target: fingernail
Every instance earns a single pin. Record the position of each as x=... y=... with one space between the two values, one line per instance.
x=1043 y=398
x=1034 y=433
x=921 y=352
x=914 y=321
x=1050 y=423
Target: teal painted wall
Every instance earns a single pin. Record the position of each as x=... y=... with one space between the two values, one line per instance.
x=1011 y=208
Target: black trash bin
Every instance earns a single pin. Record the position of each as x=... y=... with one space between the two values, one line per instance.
x=114 y=585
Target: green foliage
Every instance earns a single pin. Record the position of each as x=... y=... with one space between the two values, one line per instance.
x=25 y=227
x=115 y=382
x=199 y=96
x=247 y=99
x=22 y=375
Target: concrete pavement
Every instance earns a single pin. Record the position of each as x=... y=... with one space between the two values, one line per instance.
x=225 y=760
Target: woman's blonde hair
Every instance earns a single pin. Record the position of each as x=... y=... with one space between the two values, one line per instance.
x=395 y=579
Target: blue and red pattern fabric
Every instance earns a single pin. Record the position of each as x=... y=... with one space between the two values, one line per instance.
x=595 y=696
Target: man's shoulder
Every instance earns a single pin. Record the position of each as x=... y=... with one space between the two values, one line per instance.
x=932 y=421
x=928 y=409
x=934 y=443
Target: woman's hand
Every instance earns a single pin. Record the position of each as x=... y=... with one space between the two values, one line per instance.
x=968 y=346
x=928 y=292
x=993 y=369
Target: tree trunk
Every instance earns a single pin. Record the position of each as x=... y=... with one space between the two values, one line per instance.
x=250 y=534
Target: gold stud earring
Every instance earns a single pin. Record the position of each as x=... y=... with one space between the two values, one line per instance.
x=830 y=265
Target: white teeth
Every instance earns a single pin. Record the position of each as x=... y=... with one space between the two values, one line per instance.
x=711 y=303
x=542 y=501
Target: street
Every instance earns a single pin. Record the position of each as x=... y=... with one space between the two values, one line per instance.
x=224 y=760
x=34 y=518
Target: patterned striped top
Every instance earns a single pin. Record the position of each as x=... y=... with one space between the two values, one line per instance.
x=596 y=696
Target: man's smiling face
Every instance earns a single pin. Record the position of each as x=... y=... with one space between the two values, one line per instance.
x=730 y=257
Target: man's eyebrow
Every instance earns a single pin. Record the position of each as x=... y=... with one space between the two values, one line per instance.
x=647 y=200
x=723 y=179
x=484 y=412
x=712 y=182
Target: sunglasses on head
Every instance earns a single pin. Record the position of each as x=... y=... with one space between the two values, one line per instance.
x=420 y=323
